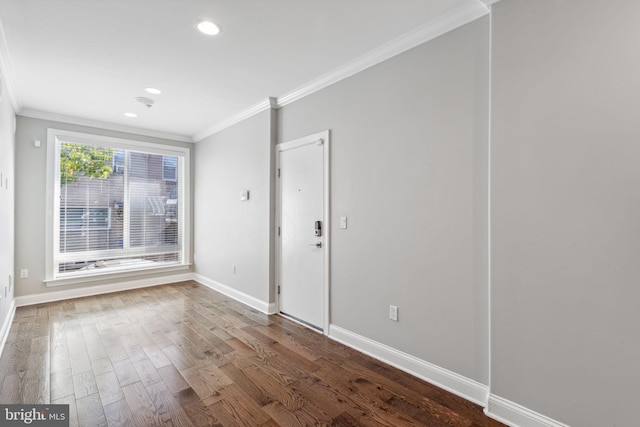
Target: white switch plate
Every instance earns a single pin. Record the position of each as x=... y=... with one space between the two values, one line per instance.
x=393 y=313
x=343 y=222
x=24 y=273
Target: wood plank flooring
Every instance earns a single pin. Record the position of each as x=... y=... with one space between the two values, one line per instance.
x=184 y=355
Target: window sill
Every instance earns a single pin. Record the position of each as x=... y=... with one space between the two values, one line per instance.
x=102 y=276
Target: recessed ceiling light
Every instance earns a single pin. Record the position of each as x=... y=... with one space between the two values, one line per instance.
x=132 y=115
x=153 y=90
x=208 y=28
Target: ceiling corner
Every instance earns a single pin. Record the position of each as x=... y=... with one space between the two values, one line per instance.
x=44 y=115
x=243 y=115
x=489 y=2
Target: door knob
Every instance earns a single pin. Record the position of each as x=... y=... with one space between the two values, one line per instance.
x=316 y=244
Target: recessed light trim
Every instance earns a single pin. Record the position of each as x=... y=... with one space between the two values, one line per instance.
x=208 y=28
x=153 y=90
x=132 y=115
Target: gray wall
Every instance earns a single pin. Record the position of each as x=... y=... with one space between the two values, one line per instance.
x=409 y=169
x=30 y=201
x=565 y=182
x=230 y=231
x=7 y=196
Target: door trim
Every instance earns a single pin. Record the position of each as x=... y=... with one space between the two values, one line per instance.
x=316 y=138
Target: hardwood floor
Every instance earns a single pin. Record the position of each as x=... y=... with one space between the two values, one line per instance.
x=184 y=355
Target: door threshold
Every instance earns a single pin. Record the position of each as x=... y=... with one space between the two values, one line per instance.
x=301 y=322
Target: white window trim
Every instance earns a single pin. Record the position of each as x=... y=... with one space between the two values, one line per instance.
x=53 y=189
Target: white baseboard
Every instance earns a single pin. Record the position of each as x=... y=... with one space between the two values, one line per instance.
x=443 y=378
x=25 y=300
x=262 y=306
x=6 y=325
x=516 y=415
x=496 y=407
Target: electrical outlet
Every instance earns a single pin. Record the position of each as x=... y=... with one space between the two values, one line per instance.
x=393 y=313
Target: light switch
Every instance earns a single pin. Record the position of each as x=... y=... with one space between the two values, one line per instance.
x=244 y=196
x=343 y=222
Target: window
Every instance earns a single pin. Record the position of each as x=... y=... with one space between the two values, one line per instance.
x=118 y=161
x=169 y=168
x=116 y=206
x=84 y=218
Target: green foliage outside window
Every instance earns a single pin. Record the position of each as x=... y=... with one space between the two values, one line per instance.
x=84 y=160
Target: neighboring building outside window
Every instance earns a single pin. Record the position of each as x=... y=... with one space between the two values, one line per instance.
x=169 y=168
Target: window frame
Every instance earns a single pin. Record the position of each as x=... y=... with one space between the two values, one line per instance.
x=52 y=234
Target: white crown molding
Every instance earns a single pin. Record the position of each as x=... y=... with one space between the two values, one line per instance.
x=6 y=68
x=43 y=115
x=252 y=111
x=432 y=29
x=513 y=414
x=422 y=34
x=429 y=31
x=262 y=306
x=443 y=378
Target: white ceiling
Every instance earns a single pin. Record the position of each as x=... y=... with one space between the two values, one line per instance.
x=88 y=59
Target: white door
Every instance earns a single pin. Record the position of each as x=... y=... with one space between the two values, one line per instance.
x=303 y=270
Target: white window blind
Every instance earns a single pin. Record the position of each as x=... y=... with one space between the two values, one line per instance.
x=116 y=208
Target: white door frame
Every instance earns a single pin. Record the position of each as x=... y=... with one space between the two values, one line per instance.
x=316 y=138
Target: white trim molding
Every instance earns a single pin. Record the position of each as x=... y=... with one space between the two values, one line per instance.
x=251 y=301
x=251 y=111
x=441 y=377
x=88 y=291
x=489 y=2
x=516 y=415
x=43 y=115
x=429 y=31
x=6 y=325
